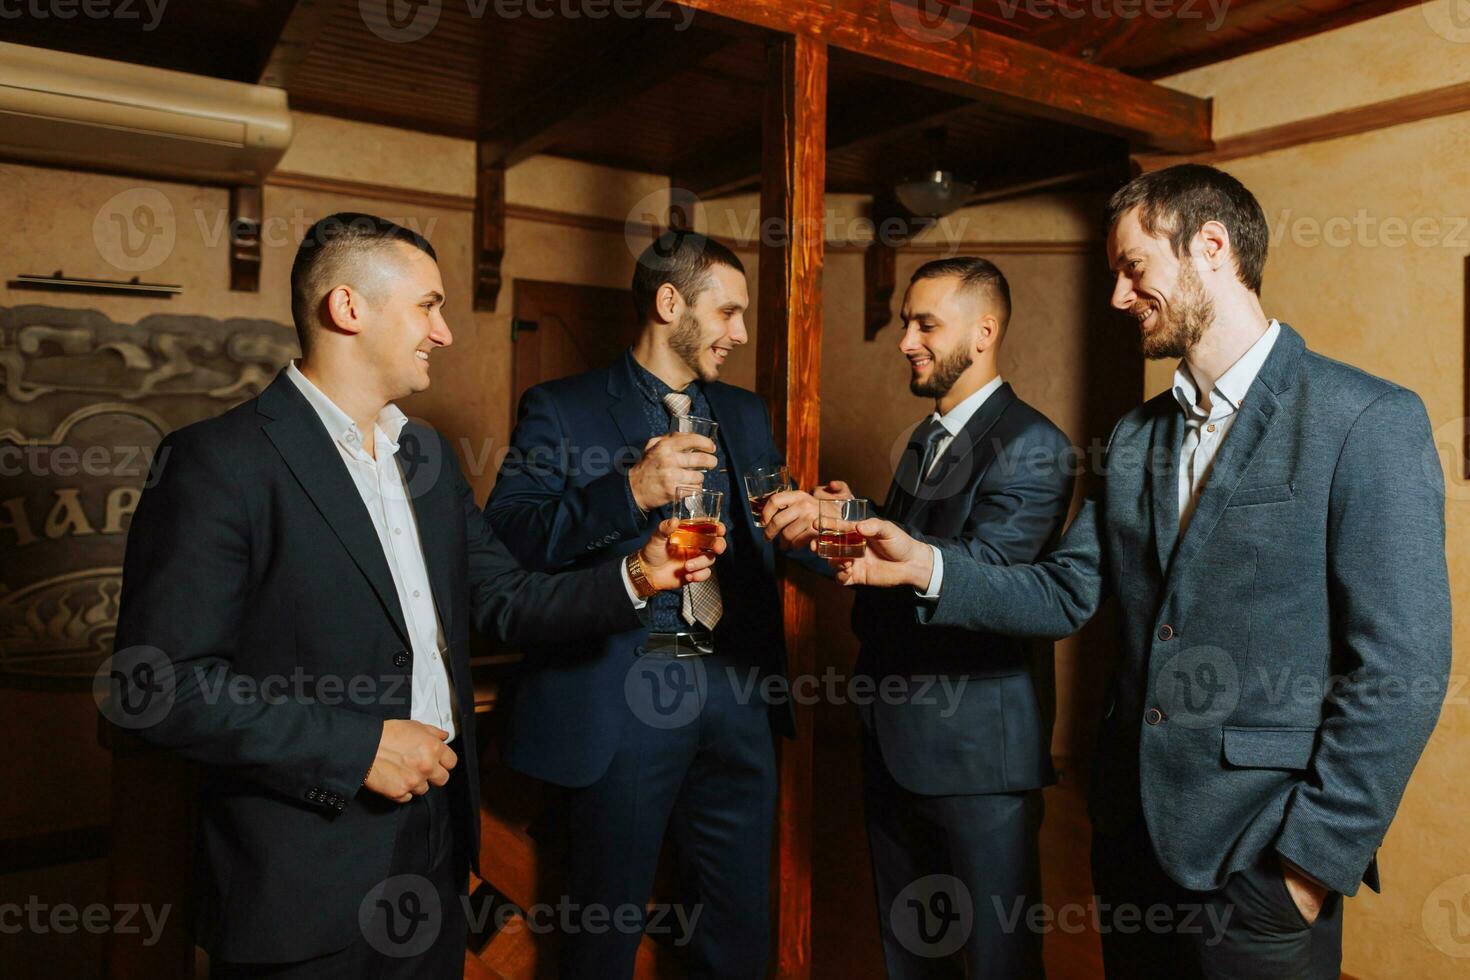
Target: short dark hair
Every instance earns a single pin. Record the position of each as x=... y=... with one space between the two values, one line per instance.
x=325 y=251
x=973 y=272
x=1178 y=200
x=683 y=260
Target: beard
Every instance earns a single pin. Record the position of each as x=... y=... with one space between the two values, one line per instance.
x=685 y=341
x=1193 y=311
x=947 y=370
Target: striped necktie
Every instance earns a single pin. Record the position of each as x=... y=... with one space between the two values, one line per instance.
x=702 y=603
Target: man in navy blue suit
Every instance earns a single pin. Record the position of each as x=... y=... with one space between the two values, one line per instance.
x=663 y=727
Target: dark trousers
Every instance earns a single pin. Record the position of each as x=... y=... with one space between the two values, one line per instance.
x=696 y=759
x=956 y=878
x=1246 y=930
x=413 y=924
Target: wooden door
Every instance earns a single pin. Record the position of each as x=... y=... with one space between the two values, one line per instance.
x=562 y=329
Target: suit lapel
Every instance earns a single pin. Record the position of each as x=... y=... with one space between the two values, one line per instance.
x=436 y=527
x=965 y=456
x=624 y=406
x=297 y=433
x=1258 y=413
x=1168 y=436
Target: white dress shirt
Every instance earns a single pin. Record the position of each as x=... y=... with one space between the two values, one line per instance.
x=954 y=421
x=1205 y=431
x=380 y=484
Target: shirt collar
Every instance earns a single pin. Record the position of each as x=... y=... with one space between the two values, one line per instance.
x=958 y=417
x=655 y=387
x=339 y=425
x=1231 y=388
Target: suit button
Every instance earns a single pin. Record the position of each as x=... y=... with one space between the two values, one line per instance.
x=311 y=795
x=1166 y=632
x=400 y=659
x=341 y=806
x=1153 y=716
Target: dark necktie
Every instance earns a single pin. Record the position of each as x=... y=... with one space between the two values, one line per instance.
x=918 y=457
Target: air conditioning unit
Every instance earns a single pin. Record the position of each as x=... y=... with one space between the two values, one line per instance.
x=96 y=114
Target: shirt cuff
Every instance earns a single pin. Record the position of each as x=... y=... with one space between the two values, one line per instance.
x=936 y=578
x=628 y=584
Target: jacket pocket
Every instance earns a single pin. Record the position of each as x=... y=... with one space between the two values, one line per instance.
x=1268 y=748
x=1274 y=494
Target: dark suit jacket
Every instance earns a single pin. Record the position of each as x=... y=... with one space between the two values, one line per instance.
x=1000 y=495
x=561 y=501
x=1284 y=661
x=252 y=562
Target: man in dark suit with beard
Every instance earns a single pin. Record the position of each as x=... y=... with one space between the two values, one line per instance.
x=300 y=582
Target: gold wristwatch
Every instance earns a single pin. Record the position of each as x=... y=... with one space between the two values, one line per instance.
x=641 y=585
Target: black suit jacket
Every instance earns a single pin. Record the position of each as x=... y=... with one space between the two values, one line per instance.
x=256 y=591
x=975 y=715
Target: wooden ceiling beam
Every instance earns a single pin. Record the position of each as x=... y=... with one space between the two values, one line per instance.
x=574 y=94
x=293 y=26
x=987 y=67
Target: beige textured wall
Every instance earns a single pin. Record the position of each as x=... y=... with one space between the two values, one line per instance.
x=1369 y=262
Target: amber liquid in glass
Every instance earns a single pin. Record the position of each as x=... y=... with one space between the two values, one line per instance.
x=840 y=544
x=758 y=504
x=694 y=537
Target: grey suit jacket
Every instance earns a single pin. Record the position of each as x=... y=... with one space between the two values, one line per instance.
x=1283 y=662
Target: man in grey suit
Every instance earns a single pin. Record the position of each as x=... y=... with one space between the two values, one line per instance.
x=1273 y=531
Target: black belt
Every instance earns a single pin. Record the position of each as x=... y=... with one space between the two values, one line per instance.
x=686 y=643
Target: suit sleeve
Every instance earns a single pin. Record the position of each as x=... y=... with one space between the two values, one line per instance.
x=1020 y=504
x=185 y=596
x=1390 y=605
x=523 y=607
x=544 y=519
x=1048 y=599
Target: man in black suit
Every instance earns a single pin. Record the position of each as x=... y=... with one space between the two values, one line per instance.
x=660 y=726
x=299 y=586
x=955 y=756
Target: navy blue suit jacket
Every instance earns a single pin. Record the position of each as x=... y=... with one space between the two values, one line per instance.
x=1000 y=493
x=561 y=501
x=1283 y=661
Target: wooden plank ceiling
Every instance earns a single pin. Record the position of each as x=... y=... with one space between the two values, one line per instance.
x=679 y=93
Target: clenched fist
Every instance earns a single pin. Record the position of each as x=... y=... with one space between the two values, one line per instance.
x=675 y=460
x=411 y=757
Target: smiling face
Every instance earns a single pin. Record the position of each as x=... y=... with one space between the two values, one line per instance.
x=708 y=330
x=405 y=319
x=941 y=321
x=1161 y=291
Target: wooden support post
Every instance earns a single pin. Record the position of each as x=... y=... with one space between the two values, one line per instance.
x=489 y=228
x=246 y=213
x=788 y=356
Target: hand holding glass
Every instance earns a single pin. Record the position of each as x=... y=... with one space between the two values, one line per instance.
x=837 y=534
x=698 y=512
x=761 y=484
